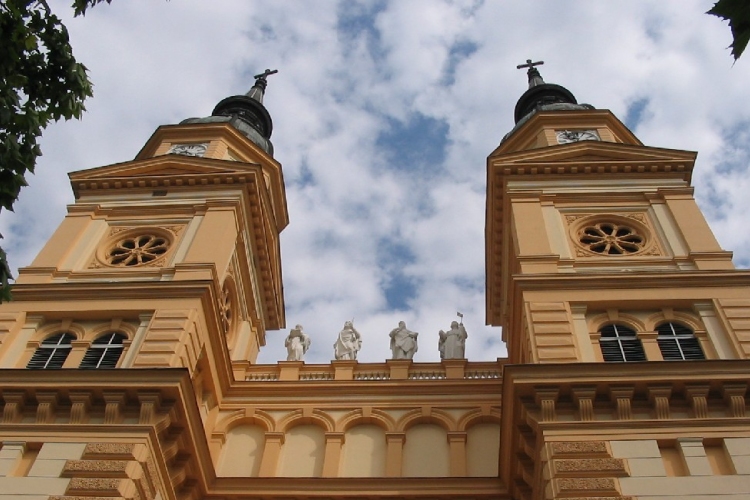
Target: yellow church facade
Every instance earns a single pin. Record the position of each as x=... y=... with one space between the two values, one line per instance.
x=128 y=355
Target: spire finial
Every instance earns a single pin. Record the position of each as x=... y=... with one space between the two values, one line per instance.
x=263 y=77
x=260 y=84
x=535 y=78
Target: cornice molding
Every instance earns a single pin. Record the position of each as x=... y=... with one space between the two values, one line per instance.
x=635 y=279
x=96 y=290
x=464 y=488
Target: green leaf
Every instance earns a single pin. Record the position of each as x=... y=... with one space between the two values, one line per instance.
x=737 y=12
x=31 y=42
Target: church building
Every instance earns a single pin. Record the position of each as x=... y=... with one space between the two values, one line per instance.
x=128 y=355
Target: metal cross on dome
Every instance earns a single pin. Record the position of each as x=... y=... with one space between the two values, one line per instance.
x=528 y=64
x=269 y=72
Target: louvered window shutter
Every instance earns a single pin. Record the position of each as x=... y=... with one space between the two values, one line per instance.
x=678 y=342
x=52 y=352
x=104 y=352
x=620 y=343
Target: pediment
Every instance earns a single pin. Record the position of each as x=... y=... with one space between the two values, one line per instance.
x=163 y=166
x=595 y=152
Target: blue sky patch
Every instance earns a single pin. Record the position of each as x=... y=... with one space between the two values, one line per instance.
x=715 y=203
x=635 y=112
x=357 y=20
x=736 y=153
x=398 y=287
x=415 y=146
x=305 y=177
x=460 y=51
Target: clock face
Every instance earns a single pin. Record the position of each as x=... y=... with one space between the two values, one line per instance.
x=566 y=136
x=189 y=149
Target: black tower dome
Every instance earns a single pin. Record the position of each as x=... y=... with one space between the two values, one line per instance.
x=541 y=95
x=246 y=113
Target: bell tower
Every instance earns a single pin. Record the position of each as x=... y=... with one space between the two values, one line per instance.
x=177 y=250
x=587 y=227
x=626 y=323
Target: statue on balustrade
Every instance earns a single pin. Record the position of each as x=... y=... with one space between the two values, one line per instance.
x=348 y=343
x=403 y=342
x=452 y=344
x=297 y=343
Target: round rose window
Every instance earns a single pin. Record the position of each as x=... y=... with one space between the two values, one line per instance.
x=137 y=250
x=611 y=238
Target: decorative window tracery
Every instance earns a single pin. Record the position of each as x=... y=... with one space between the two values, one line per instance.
x=137 y=249
x=612 y=234
x=228 y=310
x=52 y=352
x=610 y=238
x=131 y=247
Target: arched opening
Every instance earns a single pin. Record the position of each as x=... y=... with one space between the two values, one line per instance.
x=52 y=352
x=426 y=452
x=364 y=452
x=620 y=343
x=678 y=342
x=242 y=452
x=303 y=452
x=104 y=352
x=483 y=450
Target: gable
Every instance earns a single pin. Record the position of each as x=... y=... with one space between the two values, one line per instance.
x=163 y=166
x=595 y=152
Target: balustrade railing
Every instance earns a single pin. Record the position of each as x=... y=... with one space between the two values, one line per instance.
x=298 y=371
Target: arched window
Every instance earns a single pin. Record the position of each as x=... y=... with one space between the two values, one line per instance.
x=678 y=342
x=620 y=343
x=52 y=352
x=104 y=351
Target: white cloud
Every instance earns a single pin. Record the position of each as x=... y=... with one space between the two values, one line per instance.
x=338 y=93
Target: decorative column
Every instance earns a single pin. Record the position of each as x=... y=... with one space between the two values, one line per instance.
x=659 y=396
x=457 y=443
x=546 y=399
x=394 y=453
x=114 y=401
x=215 y=444
x=13 y=409
x=46 y=406
x=584 y=398
x=271 y=452
x=622 y=397
x=332 y=459
x=80 y=404
x=78 y=349
x=150 y=402
x=735 y=396
x=697 y=396
x=651 y=346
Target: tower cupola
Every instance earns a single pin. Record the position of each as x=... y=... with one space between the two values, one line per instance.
x=246 y=113
x=541 y=95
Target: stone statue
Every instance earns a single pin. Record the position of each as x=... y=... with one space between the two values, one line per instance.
x=452 y=343
x=403 y=342
x=297 y=343
x=348 y=343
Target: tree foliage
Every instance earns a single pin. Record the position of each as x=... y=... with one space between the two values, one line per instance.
x=737 y=12
x=40 y=82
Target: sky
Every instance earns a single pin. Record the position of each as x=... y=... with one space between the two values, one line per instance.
x=384 y=113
